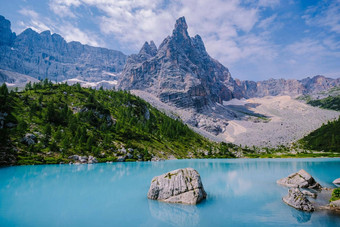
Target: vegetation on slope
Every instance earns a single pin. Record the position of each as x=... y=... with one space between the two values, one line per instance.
x=325 y=138
x=335 y=195
x=332 y=103
x=46 y=123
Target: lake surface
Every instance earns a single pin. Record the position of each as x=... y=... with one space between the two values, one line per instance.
x=240 y=192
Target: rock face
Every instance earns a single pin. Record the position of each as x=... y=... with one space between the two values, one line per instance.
x=274 y=87
x=301 y=179
x=180 y=72
x=336 y=181
x=178 y=186
x=46 y=55
x=6 y=35
x=297 y=199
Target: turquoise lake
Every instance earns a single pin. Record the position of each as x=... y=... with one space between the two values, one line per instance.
x=241 y=192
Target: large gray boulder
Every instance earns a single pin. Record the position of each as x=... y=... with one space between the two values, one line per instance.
x=178 y=186
x=297 y=199
x=300 y=179
x=336 y=181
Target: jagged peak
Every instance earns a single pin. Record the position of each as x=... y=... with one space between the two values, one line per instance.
x=181 y=28
x=47 y=32
x=149 y=49
x=29 y=31
x=199 y=44
x=153 y=45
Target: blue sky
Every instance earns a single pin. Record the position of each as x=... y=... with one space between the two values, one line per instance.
x=255 y=39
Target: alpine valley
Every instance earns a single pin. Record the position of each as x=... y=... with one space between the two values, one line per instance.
x=170 y=101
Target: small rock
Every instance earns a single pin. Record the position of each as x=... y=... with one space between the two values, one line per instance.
x=130 y=149
x=74 y=157
x=336 y=181
x=297 y=199
x=29 y=139
x=335 y=204
x=121 y=158
x=178 y=186
x=301 y=179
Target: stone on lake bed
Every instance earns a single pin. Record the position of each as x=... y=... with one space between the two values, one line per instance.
x=178 y=186
x=297 y=199
x=300 y=179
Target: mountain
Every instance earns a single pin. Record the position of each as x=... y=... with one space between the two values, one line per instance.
x=292 y=87
x=45 y=55
x=180 y=72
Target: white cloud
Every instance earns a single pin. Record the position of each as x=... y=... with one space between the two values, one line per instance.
x=325 y=14
x=34 y=22
x=72 y=33
x=219 y=22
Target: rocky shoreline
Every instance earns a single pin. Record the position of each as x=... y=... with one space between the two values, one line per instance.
x=303 y=193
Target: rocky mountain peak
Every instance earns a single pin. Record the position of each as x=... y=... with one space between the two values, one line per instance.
x=181 y=73
x=148 y=49
x=181 y=29
x=6 y=35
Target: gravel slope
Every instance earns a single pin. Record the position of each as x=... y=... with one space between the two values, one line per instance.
x=286 y=120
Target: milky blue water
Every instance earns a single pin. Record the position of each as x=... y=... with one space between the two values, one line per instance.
x=241 y=192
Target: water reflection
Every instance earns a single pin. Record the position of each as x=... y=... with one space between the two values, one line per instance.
x=174 y=214
x=300 y=216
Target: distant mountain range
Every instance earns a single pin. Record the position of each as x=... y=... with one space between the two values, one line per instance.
x=179 y=71
x=45 y=55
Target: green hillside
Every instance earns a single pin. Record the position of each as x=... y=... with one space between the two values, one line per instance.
x=325 y=138
x=46 y=123
x=332 y=103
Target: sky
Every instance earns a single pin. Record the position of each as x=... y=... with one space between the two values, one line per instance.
x=255 y=39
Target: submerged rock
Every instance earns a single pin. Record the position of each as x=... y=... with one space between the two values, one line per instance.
x=178 y=186
x=297 y=199
x=301 y=179
x=336 y=181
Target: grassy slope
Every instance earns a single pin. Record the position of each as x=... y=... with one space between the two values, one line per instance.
x=332 y=103
x=70 y=120
x=325 y=138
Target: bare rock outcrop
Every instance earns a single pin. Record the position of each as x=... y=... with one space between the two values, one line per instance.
x=300 y=179
x=297 y=199
x=178 y=186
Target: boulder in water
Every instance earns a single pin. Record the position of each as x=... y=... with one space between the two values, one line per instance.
x=178 y=186
x=300 y=179
x=297 y=199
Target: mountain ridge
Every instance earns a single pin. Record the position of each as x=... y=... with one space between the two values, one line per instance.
x=45 y=55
